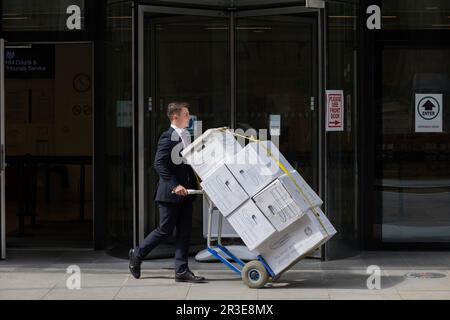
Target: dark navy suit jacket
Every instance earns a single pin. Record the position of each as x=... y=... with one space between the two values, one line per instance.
x=171 y=174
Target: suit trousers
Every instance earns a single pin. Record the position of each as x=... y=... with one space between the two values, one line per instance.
x=171 y=216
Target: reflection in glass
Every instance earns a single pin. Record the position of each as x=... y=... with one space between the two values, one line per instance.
x=276 y=61
x=341 y=153
x=118 y=184
x=38 y=15
x=186 y=59
x=416 y=14
x=413 y=175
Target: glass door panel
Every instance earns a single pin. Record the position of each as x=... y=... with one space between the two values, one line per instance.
x=412 y=172
x=185 y=58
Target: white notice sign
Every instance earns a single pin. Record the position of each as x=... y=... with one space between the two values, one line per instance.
x=428 y=110
x=275 y=124
x=335 y=110
x=124 y=114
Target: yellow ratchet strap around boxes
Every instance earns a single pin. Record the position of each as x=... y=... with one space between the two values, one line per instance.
x=282 y=167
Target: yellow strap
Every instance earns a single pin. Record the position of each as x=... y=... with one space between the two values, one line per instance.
x=198 y=179
x=282 y=167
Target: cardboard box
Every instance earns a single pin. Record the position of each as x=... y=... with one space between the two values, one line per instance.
x=284 y=249
x=278 y=205
x=209 y=151
x=255 y=168
x=326 y=227
x=251 y=167
x=306 y=198
x=251 y=225
x=224 y=190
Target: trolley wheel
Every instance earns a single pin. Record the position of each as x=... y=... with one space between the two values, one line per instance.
x=254 y=274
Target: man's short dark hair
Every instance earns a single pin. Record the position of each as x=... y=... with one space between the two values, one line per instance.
x=175 y=108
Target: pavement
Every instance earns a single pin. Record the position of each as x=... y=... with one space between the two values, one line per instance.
x=36 y=275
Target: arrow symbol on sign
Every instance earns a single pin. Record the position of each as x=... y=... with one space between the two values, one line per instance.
x=429 y=106
x=335 y=122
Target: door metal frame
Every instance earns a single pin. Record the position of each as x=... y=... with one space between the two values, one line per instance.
x=2 y=151
x=274 y=12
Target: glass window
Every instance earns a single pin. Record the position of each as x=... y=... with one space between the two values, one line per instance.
x=38 y=15
x=416 y=14
x=186 y=58
x=118 y=184
x=341 y=153
x=276 y=67
x=413 y=168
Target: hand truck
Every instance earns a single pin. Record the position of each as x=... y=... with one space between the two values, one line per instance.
x=256 y=273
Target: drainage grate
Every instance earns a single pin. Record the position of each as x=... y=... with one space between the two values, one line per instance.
x=425 y=275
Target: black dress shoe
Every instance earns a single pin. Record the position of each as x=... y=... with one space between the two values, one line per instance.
x=188 y=276
x=135 y=264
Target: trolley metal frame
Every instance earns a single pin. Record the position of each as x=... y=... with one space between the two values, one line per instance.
x=216 y=250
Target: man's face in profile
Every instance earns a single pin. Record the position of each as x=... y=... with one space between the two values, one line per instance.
x=182 y=119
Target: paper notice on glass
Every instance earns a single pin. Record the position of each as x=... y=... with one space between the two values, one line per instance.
x=428 y=110
x=335 y=110
x=275 y=124
x=124 y=114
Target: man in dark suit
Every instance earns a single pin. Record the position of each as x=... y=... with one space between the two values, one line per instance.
x=175 y=206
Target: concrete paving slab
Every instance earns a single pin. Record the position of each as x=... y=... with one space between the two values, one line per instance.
x=427 y=261
x=215 y=292
x=96 y=280
x=36 y=276
x=154 y=292
x=420 y=284
x=365 y=297
x=291 y=294
x=23 y=294
x=424 y=285
x=425 y=295
x=34 y=280
x=82 y=294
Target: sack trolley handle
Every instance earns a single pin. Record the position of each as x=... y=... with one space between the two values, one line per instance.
x=211 y=208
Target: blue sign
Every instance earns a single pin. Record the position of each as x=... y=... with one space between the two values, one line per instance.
x=191 y=126
x=37 y=62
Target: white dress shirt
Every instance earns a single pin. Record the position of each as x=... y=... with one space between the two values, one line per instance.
x=184 y=135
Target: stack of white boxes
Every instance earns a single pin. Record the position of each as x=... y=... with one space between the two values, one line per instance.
x=263 y=204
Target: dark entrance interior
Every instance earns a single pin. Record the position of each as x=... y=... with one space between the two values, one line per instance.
x=48 y=133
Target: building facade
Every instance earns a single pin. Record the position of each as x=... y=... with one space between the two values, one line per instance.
x=250 y=64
